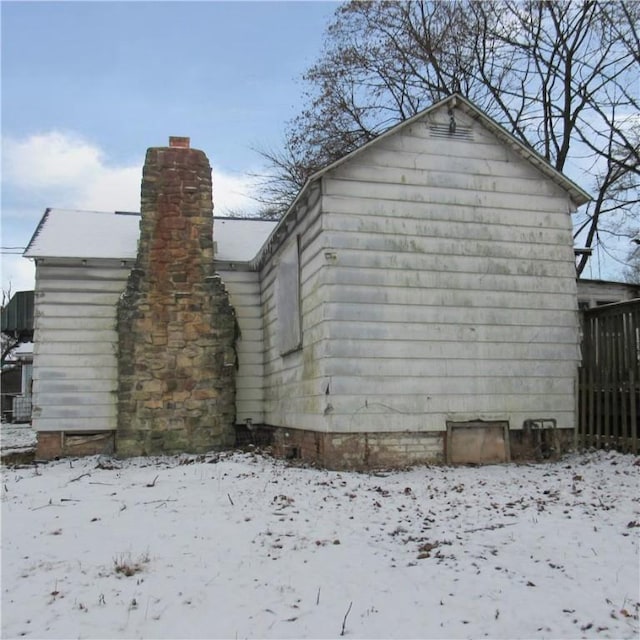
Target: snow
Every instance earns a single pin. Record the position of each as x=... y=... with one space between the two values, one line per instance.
x=19 y=437
x=240 y=545
x=240 y=239
x=22 y=351
x=66 y=233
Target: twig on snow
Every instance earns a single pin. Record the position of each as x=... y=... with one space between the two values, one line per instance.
x=344 y=622
x=82 y=475
x=47 y=505
x=318 y=597
x=152 y=484
x=491 y=527
x=230 y=500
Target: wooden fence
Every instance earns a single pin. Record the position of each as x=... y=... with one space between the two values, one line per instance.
x=609 y=378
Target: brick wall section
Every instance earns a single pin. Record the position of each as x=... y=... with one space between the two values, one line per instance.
x=49 y=445
x=397 y=450
x=58 y=444
x=177 y=329
x=360 y=451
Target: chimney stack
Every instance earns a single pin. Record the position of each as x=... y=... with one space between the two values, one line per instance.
x=176 y=361
x=178 y=142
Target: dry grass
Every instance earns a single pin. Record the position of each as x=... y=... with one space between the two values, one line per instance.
x=125 y=565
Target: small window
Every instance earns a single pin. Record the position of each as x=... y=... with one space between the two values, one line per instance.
x=288 y=298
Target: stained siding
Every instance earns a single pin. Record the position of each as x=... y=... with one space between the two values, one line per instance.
x=295 y=384
x=244 y=292
x=452 y=295
x=75 y=367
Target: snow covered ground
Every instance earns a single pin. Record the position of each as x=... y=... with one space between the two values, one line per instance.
x=15 y=438
x=242 y=546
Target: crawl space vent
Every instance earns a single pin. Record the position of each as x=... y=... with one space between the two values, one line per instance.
x=477 y=442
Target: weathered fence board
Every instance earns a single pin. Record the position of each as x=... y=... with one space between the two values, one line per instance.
x=609 y=378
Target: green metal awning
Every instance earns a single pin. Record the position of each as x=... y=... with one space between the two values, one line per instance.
x=17 y=316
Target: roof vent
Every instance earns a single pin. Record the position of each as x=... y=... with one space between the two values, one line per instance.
x=445 y=130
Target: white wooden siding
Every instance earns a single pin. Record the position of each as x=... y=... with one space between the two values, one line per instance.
x=452 y=295
x=75 y=357
x=295 y=384
x=244 y=292
x=75 y=369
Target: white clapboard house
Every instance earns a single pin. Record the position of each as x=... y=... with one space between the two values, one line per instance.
x=416 y=303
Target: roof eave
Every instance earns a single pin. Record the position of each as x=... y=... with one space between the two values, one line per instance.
x=25 y=253
x=578 y=195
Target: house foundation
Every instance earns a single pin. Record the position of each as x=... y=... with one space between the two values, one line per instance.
x=395 y=450
x=60 y=444
x=360 y=451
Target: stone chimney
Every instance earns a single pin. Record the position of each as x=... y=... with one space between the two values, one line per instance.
x=176 y=327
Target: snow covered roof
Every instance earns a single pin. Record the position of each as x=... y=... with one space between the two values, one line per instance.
x=65 y=233
x=24 y=349
x=240 y=239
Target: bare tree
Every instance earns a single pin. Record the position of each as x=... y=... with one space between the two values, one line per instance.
x=562 y=77
x=632 y=271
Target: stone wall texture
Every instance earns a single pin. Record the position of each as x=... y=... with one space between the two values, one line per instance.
x=176 y=327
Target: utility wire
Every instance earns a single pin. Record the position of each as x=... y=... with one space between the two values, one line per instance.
x=12 y=251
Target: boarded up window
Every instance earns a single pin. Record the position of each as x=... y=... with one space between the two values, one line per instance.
x=288 y=299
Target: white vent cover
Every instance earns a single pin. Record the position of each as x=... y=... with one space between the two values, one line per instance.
x=442 y=130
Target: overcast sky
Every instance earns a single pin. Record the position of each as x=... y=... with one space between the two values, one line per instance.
x=87 y=87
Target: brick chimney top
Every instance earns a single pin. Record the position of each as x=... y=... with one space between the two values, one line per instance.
x=179 y=142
